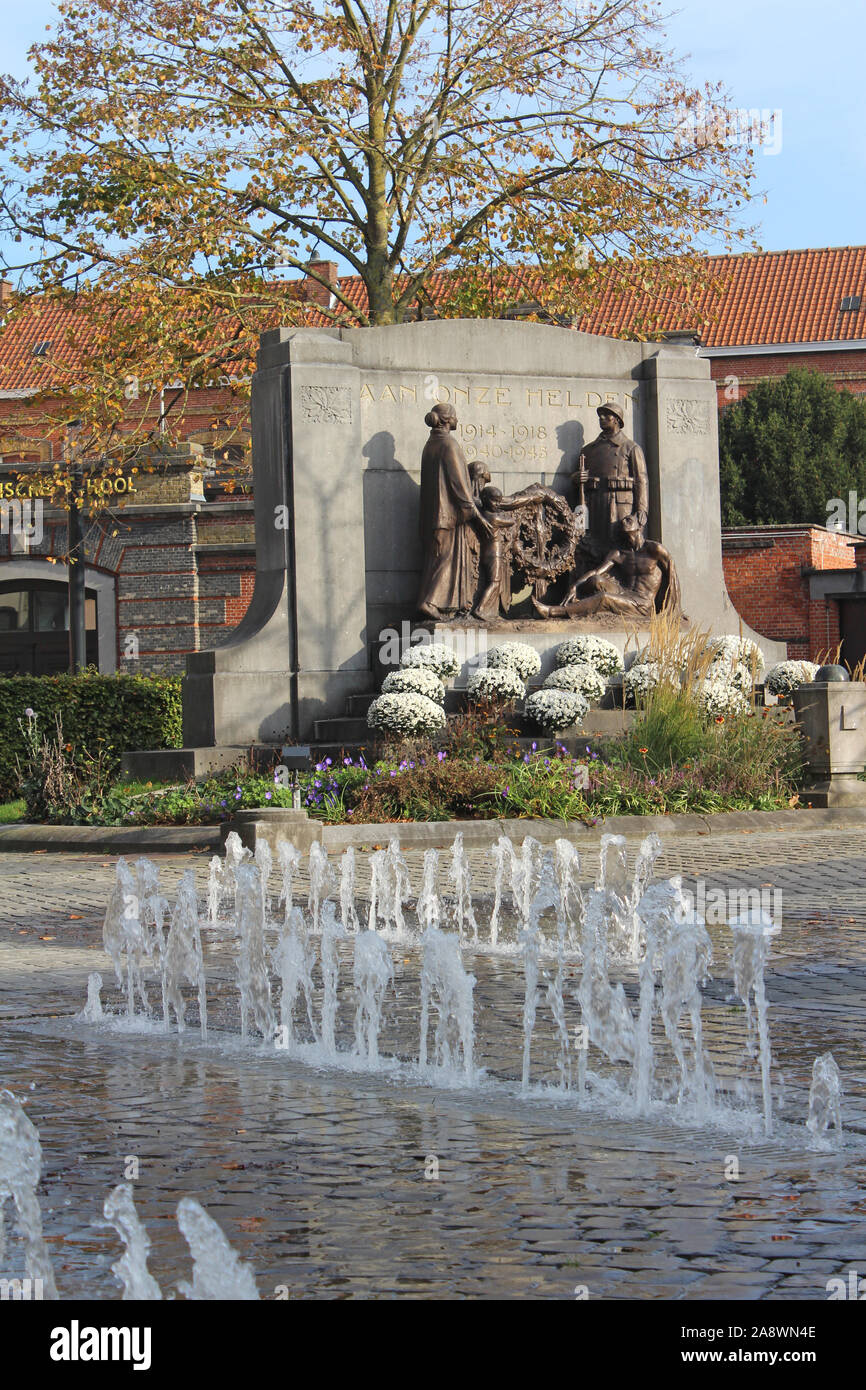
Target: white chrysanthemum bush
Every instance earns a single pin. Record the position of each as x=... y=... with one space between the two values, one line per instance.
x=554 y=710
x=406 y=714
x=733 y=673
x=788 y=675
x=435 y=656
x=732 y=650
x=640 y=678
x=422 y=680
x=580 y=678
x=519 y=656
x=495 y=682
x=592 y=651
x=720 y=698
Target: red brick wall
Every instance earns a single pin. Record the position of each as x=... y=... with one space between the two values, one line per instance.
x=764 y=573
x=237 y=606
x=847 y=369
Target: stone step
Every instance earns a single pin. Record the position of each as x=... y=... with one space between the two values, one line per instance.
x=357 y=705
x=347 y=730
x=599 y=723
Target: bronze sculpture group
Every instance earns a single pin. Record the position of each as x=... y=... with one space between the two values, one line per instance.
x=474 y=539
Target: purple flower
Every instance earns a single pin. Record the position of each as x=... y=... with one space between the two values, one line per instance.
x=347 y=762
x=238 y=795
x=268 y=796
x=535 y=747
x=222 y=803
x=441 y=756
x=327 y=762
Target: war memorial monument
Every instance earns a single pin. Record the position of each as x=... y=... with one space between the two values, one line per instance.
x=531 y=511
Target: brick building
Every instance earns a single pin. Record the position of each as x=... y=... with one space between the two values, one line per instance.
x=170 y=559
x=803 y=585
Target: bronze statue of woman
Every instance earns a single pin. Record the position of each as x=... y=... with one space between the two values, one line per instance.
x=450 y=521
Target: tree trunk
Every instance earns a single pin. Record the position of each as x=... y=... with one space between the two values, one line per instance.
x=378 y=277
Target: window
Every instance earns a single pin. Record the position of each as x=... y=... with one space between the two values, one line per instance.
x=34 y=627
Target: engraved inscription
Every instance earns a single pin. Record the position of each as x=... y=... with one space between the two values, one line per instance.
x=688 y=417
x=330 y=405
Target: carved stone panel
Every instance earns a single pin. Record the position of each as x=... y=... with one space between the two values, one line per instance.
x=329 y=405
x=688 y=417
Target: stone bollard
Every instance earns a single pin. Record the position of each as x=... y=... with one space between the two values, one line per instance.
x=832 y=719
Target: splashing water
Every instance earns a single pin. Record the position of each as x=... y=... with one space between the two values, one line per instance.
x=131 y=1269
x=529 y=940
x=501 y=854
x=642 y=1065
x=293 y=960
x=348 y=912
x=215 y=888
x=264 y=862
x=751 y=949
x=253 y=983
x=20 y=1171
x=525 y=872
x=685 y=966
x=399 y=871
x=372 y=974
x=125 y=937
x=647 y=855
x=825 y=1095
x=217 y=1270
x=182 y=958
x=428 y=906
x=332 y=931
x=447 y=987
x=92 y=1011
x=458 y=874
x=322 y=884
x=289 y=860
x=569 y=905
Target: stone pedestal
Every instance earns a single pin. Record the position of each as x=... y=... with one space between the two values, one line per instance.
x=272 y=826
x=832 y=720
x=301 y=648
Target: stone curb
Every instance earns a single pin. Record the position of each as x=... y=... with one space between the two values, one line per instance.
x=117 y=839
x=477 y=834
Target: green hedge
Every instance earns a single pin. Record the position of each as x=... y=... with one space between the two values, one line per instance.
x=124 y=712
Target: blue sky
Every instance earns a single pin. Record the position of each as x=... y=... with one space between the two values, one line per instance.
x=796 y=56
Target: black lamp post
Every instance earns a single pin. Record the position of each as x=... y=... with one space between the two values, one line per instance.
x=75 y=546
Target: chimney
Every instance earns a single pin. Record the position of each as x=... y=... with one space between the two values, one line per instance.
x=317 y=293
x=6 y=292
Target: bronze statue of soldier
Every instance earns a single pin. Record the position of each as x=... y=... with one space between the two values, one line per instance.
x=612 y=479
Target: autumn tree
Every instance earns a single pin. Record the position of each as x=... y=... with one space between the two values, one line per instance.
x=169 y=161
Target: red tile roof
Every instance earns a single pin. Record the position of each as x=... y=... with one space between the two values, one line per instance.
x=776 y=297
x=773 y=297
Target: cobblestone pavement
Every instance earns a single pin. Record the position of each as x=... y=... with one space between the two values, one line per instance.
x=339 y=1184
